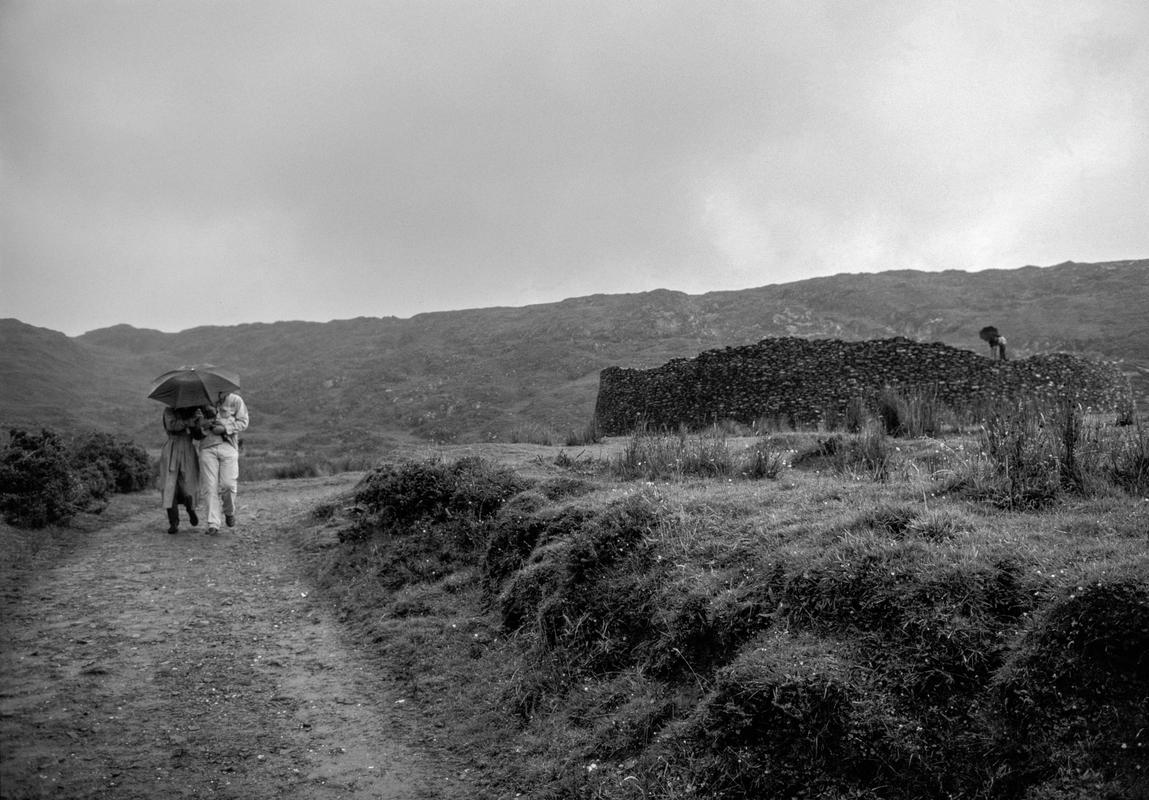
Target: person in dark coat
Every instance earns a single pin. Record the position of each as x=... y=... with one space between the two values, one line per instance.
x=179 y=464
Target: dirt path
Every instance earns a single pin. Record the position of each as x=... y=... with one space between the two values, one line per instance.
x=139 y=665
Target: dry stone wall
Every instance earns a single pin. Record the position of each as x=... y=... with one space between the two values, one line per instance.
x=807 y=380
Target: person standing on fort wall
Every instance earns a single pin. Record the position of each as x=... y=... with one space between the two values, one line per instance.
x=990 y=335
x=219 y=458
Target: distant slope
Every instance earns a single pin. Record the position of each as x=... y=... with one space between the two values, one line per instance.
x=479 y=374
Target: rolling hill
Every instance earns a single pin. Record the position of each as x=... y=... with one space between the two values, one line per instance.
x=481 y=374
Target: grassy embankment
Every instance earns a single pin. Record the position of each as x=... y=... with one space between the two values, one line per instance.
x=798 y=614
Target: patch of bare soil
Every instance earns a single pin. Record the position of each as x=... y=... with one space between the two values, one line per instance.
x=138 y=664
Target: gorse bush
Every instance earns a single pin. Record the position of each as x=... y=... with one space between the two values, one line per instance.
x=45 y=480
x=38 y=486
x=125 y=464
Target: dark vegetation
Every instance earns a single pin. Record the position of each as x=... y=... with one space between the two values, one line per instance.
x=969 y=621
x=46 y=480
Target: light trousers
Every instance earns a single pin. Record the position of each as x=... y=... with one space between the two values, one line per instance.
x=219 y=481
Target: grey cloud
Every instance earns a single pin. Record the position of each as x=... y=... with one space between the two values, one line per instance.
x=347 y=158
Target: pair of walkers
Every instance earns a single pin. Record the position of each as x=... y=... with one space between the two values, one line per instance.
x=201 y=459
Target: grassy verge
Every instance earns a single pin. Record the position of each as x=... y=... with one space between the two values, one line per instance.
x=880 y=618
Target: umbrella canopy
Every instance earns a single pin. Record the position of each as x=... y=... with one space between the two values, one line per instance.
x=193 y=386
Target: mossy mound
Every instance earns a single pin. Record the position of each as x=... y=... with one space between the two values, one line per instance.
x=1076 y=689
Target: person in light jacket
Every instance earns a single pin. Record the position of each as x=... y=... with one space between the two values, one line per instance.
x=219 y=458
x=179 y=465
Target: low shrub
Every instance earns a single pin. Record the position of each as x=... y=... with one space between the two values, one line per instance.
x=125 y=463
x=38 y=485
x=397 y=498
x=45 y=480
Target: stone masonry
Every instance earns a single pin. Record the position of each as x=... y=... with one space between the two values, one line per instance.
x=807 y=380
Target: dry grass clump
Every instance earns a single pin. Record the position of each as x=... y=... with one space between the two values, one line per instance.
x=588 y=434
x=708 y=454
x=867 y=455
x=1126 y=459
x=902 y=520
x=910 y=414
x=893 y=520
x=1031 y=456
x=940 y=523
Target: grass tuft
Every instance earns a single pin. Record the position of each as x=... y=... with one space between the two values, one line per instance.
x=708 y=454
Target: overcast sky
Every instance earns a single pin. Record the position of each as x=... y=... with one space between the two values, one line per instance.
x=175 y=163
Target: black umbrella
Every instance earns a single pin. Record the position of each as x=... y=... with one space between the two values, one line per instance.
x=193 y=386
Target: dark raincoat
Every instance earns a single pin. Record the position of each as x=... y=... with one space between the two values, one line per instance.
x=179 y=460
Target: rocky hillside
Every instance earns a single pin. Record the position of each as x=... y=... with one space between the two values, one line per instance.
x=486 y=373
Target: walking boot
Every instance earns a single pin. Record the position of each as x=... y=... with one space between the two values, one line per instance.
x=192 y=517
x=173 y=519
